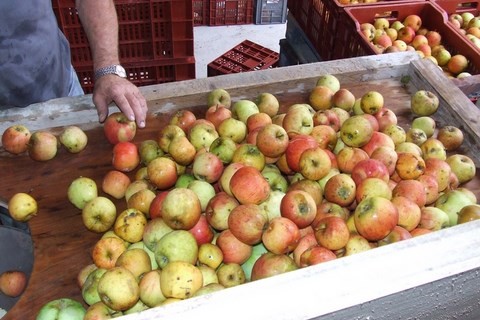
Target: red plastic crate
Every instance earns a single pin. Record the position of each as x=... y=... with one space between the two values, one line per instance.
x=246 y=56
x=200 y=12
x=148 y=29
x=146 y=72
x=432 y=19
x=459 y=6
x=230 y=12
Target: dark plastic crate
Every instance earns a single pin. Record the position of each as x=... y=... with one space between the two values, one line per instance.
x=270 y=11
x=246 y=56
x=298 y=40
x=148 y=30
x=459 y=6
x=146 y=72
x=200 y=12
x=230 y=12
x=300 y=10
x=432 y=19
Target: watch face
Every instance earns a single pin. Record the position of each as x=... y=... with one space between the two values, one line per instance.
x=120 y=71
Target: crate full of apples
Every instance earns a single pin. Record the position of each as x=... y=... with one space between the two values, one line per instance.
x=420 y=27
x=246 y=192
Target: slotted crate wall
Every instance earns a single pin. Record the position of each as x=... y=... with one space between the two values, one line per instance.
x=159 y=32
x=270 y=11
x=230 y=12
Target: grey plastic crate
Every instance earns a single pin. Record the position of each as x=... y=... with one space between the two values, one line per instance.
x=270 y=11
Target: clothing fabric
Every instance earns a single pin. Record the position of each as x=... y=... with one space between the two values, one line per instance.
x=35 y=63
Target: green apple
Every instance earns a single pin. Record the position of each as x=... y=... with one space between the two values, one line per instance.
x=22 y=206
x=231 y=275
x=73 y=139
x=426 y=124
x=219 y=96
x=242 y=109
x=118 y=289
x=178 y=245
x=424 y=103
x=89 y=289
x=247 y=266
x=99 y=214
x=204 y=191
x=81 y=190
x=62 y=309
x=452 y=201
x=462 y=166
x=329 y=80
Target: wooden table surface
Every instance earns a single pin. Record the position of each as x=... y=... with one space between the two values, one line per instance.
x=62 y=245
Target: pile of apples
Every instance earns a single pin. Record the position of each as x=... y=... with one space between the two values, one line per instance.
x=468 y=24
x=248 y=192
x=411 y=35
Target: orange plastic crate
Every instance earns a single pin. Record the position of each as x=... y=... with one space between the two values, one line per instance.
x=148 y=29
x=230 y=12
x=459 y=6
x=432 y=18
x=246 y=56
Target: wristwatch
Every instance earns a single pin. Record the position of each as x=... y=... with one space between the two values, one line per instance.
x=113 y=69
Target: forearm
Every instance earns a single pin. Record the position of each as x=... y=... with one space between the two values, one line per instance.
x=99 y=20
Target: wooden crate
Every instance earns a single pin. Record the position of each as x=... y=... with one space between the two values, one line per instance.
x=430 y=277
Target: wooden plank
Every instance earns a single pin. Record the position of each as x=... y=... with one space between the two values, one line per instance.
x=63 y=245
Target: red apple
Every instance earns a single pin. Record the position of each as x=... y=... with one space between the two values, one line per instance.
x=115 y=183
x=125 y=156
x=325 y=136
x=295 y=148
x=411 y=189
x=340 y=189
x=184 y=119
x=369 y=168
x=281 y=236
x=315 y=255
x=207 y=167
x=15 y=138
x=218 y=210
x=348 y=157
x=202 y=231
x=247 y=223
x=270 y=264
x=332 y=232
x=118 y=128
x=217 y=113
x=375 y=218
x=234 y=250
x=306 y=241
x=162 y=172
x=42 y=146
x=409 y=213
x=181 y=209
x=248 y=185
x=272 y=140
x=298 y=206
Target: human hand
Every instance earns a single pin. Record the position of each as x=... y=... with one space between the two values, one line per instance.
x=126 y=95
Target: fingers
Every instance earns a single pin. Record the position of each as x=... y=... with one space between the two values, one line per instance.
x=124 y=94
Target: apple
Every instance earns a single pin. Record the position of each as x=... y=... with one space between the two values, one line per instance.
x=431 y=188
x=150 y=291
x=118 y=289
x=135 y=260
x=81 y=190
x=313 y=188
x=247 y=223
x=296 y=146
x=267 y=103
x=162 y=172
x=298 y=206
x=357 y=244
x=270 y=264
x=42 y=146
x=181 y=208
x=406 y=34
x=411 y=189
x=154 y=230
x=177 y=245
x=90 y=287
x=356 y=131
x=306 y=241
x=117 y=128
x=231 y=275
x=271 y=206
x=257 y=251
x=125 y=156
x=413 y=21
x=248 y=185
x=452 y=201
x=314 y=163
x=202 y=134
x=462 y=166
x=375 y=218
x=242 y=109
x=321 y=97
x=210 y=254
x=469 y=213
x=217 y=113
x=329 y=80
x=13 y=282
x=332 y=232
x=409 y=165
x=426 y=123
x=409 y=213
x=249 y=155
x=232 y=128
x=218 y=209
x=209 y=288
x=209 y=275
x=224 y=148
x=15 y=138
x=340 y=189
x=298 y=120
x=458 y=63
x=372 y=186
x=451 y=137
x=272 y=140
x=416 y=135
x=84 y=272
x=107 y=250
x=388 y=156
x=258 y=120
x=149 y=150
x=183 y=118
x=141 y=245
x=396 y=133
x=233 y=250
x=202 y=231
x=22 y=207
x=281 y=236
x=141 y=200
x=115 y=183
x=61 y=308
x=348 y=157
x=228 y=171
x=136 y=186
x=433 y=219
x=182 y=150
x=327 y=117
x=219 y=96
x=398 y=234
x=130 y=224
x=369 y=168
x=99 y=311
x=325 y=136
x=73 y=139
x=343 y=99
x=99 y=214
x=207 y=167
x=424 y=103
x=433 y=148
x=315 y=255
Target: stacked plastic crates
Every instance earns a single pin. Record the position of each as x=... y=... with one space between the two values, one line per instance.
x=156 y=42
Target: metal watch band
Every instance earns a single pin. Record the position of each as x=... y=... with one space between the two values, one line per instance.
x=112 y=69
